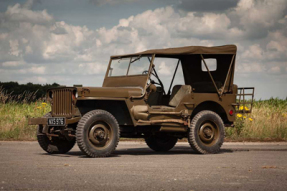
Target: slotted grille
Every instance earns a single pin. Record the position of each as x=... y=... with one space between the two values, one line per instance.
x=62 y=102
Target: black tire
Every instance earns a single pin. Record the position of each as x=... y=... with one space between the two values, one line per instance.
x=206 y=133
x=161 y=143
x=98 y=133
x=55 y=145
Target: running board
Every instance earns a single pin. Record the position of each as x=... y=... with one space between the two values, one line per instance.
x=152 y=122
x=165 y=112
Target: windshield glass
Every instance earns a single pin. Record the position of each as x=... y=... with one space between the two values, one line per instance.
x=137 y=65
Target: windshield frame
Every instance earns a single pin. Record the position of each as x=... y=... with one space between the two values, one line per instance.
x=152 y=56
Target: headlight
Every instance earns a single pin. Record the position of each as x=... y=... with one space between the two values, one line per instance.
x=75 y=95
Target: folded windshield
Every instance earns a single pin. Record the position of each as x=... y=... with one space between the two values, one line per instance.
x=137 y=65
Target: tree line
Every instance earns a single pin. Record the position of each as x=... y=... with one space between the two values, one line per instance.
x=14 y=88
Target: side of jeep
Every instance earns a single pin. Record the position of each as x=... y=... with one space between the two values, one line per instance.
x=133 y=103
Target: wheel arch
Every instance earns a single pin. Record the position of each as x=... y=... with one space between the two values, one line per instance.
x=212 y=106
x=118 y=108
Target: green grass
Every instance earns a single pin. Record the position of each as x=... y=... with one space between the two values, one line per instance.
x=269 y=120
x=14 y=119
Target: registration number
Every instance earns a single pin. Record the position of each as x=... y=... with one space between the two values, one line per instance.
x=56 y=121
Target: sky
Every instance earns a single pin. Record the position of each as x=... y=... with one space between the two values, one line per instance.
x=70 y=42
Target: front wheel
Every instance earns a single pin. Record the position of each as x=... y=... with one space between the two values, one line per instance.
x=206 y=133
x=98 y=133
x=54 y=145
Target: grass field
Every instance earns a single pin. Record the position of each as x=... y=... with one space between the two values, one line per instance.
x=268 y=121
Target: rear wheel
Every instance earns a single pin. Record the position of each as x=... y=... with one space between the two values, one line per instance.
x=98 y=133
x=206 y=133
x=161 y=143
x=54 y=145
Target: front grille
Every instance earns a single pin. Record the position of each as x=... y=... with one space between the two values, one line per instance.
x=62 y=102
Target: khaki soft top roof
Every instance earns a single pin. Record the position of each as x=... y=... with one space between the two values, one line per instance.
x=226 y=49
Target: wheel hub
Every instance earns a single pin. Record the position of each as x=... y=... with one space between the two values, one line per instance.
x=99 y=134
x=207 y=133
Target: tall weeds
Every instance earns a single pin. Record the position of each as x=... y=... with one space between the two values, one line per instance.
x=14 y=113
x=268 y=122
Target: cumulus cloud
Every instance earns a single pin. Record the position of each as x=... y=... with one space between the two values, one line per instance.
x=264 y=13
x=13 y=63
x=164 y=69
x=37 y=45
x=258 y=17
x=275 y=69
x=253 y=52
x=14 y=47
x=251 y=67
x=92 y=68
x=18 y=13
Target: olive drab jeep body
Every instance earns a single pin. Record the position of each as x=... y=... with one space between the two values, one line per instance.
x=134 y=103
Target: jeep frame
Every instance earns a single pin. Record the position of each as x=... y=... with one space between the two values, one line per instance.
x=132 y=103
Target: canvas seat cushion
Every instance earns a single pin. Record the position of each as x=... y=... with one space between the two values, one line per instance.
x=178 y=92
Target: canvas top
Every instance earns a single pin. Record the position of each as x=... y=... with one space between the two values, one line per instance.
x=226 y=49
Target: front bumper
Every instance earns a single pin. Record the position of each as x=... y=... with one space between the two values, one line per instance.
x=44 y=121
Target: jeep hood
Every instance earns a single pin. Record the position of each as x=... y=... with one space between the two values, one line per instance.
x=109 y=92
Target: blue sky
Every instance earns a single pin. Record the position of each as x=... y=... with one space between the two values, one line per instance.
x=69 y=42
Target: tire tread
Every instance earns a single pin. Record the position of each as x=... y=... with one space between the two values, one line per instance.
x=192 y=138
x=79 y=133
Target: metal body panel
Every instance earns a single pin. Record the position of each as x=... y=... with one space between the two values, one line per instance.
x=108 y=92
x=225 y=102
x=126 y=81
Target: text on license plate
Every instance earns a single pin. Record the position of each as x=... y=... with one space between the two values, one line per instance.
x=56 y=121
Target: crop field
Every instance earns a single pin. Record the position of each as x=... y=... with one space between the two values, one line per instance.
x=268 y=121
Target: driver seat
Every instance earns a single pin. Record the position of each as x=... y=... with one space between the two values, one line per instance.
x=177 y=94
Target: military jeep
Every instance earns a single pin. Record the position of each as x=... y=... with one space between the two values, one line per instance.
x=134 y=103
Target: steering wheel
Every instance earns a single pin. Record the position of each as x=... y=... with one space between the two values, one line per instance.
x=153 y=82
x=145 y=72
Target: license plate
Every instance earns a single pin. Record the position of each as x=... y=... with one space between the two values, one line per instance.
x=56 y=121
